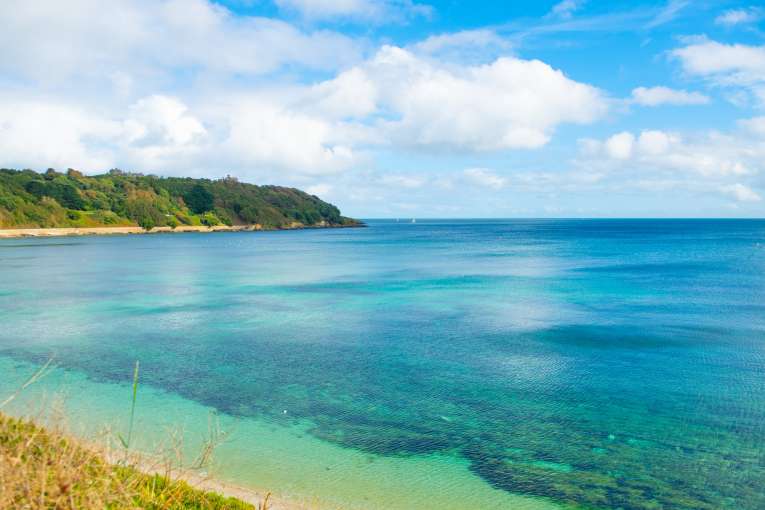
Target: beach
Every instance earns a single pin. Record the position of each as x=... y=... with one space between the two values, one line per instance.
x=62 y=232
x=12 y=233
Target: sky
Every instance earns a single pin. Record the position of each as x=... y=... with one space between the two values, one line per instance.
x=402 y=108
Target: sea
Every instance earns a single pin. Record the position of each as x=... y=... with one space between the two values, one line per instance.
x=443 y=364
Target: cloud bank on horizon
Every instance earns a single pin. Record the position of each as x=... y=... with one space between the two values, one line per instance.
x=402 y=107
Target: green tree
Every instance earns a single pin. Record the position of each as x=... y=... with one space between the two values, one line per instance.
x=199 y=199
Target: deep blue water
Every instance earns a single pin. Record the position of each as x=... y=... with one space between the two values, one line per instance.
x=601 y=363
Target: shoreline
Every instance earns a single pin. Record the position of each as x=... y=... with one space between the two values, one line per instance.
x=211 y=483
x=16 y=233
x=76 y=459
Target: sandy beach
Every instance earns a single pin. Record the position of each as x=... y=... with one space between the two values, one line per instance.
x=210 y=484
x=63 y=232
x=57 y=232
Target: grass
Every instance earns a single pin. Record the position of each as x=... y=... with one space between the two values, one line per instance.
x=48 y=469
x=44 y=469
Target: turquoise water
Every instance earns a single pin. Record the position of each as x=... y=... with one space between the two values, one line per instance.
x=512 y=364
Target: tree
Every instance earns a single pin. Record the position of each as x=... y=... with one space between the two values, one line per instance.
x=68 y=196
x=199 y=199
x=146 y=222
x=36 y=188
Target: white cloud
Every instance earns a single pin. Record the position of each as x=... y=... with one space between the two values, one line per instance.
x=755 y=125
x=741 y=193
x=352 y=94
x=654 y=142
x=264 y=134
x=565 y=9
x=39 y=134
x=619 y=146
x=660 y=162
x=730 y=63
x=726 y=65
x=153 y=38
x=654 y=96
x=396 y=99
x=465 y=45
x=374 y=10
x=484 y=178
x=508 y=104
x=733 y=17
x=172 y=87
x=159 y=132
x=162 y=134
x=711 y=156
x=161 y=120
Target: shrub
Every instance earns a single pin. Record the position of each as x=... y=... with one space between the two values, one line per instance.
x=146 y=222
x=210 y=219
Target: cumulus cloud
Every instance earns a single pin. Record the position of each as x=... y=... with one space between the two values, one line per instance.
x=40 y=134
x=713 y=155
x=188 y=88
x=733 y=17
x=484 y=178
x=714 y=164
x=508 y=104
x=655 y=96
x=726 y=65
x=396 y=99
x=352 y=94
x=374 y=10
x=264 y=134
x=162 y=134
x=729 y=63
x=619 y=146
x=161 y=120
x=729 y=164
x=152 y=38
x=178 y=86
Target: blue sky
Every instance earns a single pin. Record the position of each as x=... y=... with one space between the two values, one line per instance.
x=403 y=108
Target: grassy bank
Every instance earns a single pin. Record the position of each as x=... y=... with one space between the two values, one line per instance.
x=42 y=468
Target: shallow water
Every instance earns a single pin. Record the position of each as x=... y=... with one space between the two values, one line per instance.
x=512 y=364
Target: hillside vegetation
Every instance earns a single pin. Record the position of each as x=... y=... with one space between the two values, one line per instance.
x=52 y=199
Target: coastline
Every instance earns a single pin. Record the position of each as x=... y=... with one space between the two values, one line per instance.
x=301 y=471
x=72 y=460
x=251 y=496
x=15 y=233
x=255 y=497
